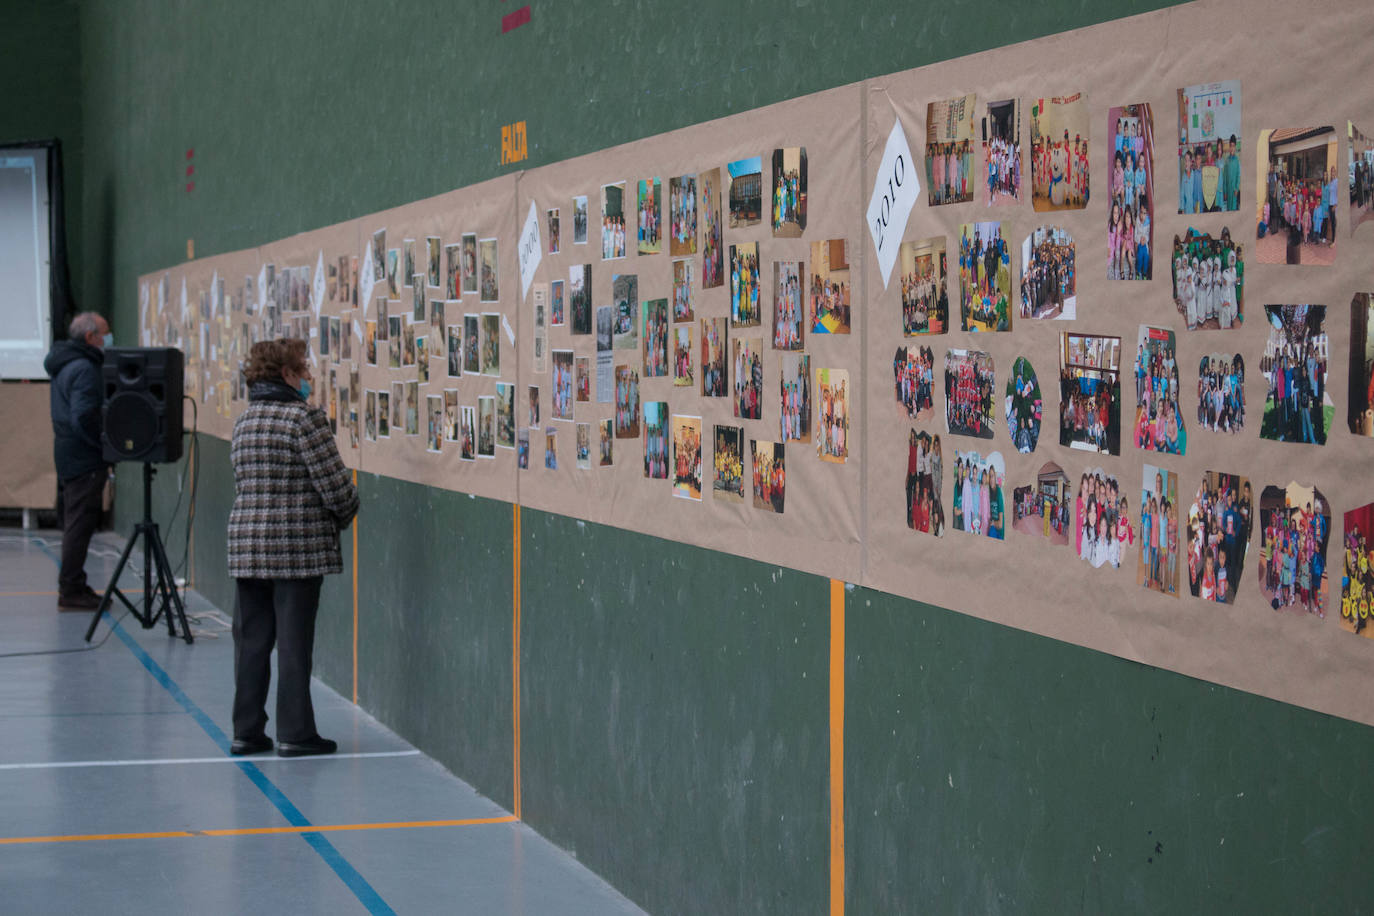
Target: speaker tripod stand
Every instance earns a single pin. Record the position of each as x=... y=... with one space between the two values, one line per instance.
x=160 y=595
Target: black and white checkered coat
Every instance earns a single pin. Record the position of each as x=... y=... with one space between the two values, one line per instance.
x=293 y=494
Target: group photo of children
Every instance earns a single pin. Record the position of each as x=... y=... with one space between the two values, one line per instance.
x=1002 y=151
x=969 y=393
x=830 y=287
x=687 y=457
x=770 y=475
x=789 y=192
x=682 y=290
x=650 y=193
x=713 y=384
x=613 y=221
x=1297 y=407
x=925 y=509
x=1359 y=171
x=949 y=151
x=1130 y=231
x=682 y=356
x=580 y=298
x=1158 y=421
x=748 y=376
x=1219 y=525
x=789 y=312
x=979 y=506
x=626 y=403
x=1048 y=289
x=796 y=397
x=1090 y=393
x=925 y=303
x=582 y=446
x=984 y=278
x=728 y=456
x=682 y=216
x=1360 y=409
x=913 y=371
x=1158 y=567
x=832 y=434
x=1297 y=206
x=655 y=337
x=1221 y=392
x=656 y=440
x=1208 y=149
x=744 y=285
x=1059 y=153
x=1209 y=280
x=1023 y=406
x=1102 y=520
x=1357 y=579
x=1295 y=524
x=1042 y=509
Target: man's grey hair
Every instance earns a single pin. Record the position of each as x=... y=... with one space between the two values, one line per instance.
x=83 y=324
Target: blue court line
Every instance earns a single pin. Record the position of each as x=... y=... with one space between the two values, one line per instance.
x=356 y=883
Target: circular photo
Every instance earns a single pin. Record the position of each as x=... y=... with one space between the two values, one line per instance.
x=1023 y=405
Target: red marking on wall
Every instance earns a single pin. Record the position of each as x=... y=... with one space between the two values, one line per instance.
x=515 y=20
x=190 y=186
x=190 y=170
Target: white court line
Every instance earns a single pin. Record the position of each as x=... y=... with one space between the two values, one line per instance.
x=247 y=758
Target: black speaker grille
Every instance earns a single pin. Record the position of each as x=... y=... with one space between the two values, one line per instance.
x=132 y=423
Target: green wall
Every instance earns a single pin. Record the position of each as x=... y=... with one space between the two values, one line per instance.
x=674 y=700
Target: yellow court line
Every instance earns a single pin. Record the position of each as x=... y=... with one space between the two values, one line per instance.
x=355 y=597
x=24 y=594
x=515 y=664
x=836 y=747
x=257 y=831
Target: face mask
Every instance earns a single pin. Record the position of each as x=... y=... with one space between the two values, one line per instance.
x=107 y=340
x=303 y=389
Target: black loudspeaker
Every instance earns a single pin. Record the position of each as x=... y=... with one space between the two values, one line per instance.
x=143 y=391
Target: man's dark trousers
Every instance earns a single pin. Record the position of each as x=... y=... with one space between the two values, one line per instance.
x=81 y=504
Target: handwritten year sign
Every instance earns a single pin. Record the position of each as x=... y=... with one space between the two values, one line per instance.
x=530 y=251
x=895 y=187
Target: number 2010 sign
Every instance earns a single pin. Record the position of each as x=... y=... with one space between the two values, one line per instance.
x=895 y=187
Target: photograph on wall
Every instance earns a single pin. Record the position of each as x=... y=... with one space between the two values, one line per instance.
x=626 y=402
x=582 y=447
x=1157 y=567
x=1130 y=226
x=796 y=398
x=580 y=298
x=770 y=474
x=1359 y=174
x=686 y=457
x=422 y=359
x=323 y=347
x=486 y=426
x=419 y=299
x=682 y=290
x=1024 y=406
x=434 y=422
x=522 y=448
x=1209 y=139
x=393 y=273
x=1102 y=528
x=1048 y=281
x=580 y=220
x=1090 y=393
x=728 y=456
x=925 y=301
x=605 y=353
x=409 y=270
x=1218 y=536
x=832 y=420
x=562 y=383
x=748 y=377
x=713 y=374
x=789 y=310
x=1221 y=392
x=533 y=405
x=505 y=415
x=605 y=431
x=491 y=343
x=655 y=349
x=656 y=455
x=554 y=226
x=925 y=505
x=683 y=375
x=1297 y=405
x=746 y=192
x=1042 y=509
x=1158 y=423
x=433 y=245
x=830 y=287
x=378 y=255
x=1297 y=202
x=984 y=278
x=979 y=498
x=408 y=346
x=551 y=448
x=1001 y=133
x=613 y=238
x=436 y=325
x=744 y=285
x=467 y=434
x=384 y=310
x=1360 y=399
x=1059 y=130
x=649 y=210
x=469 y=263
x=913 y=370
x=558 y=310
x=1209 y=280
x=1295 y=525
x=450 y=415
x=471 y=350
x=1357 y=574
x=789 y=192
x=949 y=151
x=625 y=305
x=539 y=339
x=682 y=216
x=412 y=408
x=489 y=270
x=970 y=392
x=370 y=415
x=712 y=226
x=582 y=379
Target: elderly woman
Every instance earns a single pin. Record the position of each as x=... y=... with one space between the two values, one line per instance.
x=292 y=498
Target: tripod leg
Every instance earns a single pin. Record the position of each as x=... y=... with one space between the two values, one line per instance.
x=110 y=589
x=171 y=596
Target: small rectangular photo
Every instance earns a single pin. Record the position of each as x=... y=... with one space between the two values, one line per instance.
x=1218 y=536
x=582 y=448
x=408 y=347
x=455 y=351
x=384 y=310
x=580 y=220
x=770 y=474
x=789 y=306
x=1360 y=410
x=554 y=226
x=551 y=448
x=655 y=350
x=467 y=434
x=434 y=423
x=522 y=448
x=1221 y=392
x=925 y=507
x=1297 y=202
x=422 y=359
x=613 y=239
x=795 y=411
x=1159 y=423
x=925 y=302
x=370 y=415
x=1090 y=392
x=450 y=414
x=1297 y=407
x=1295 y=526
x=453 y=260
x=789 y=192
x=408 y=272
x=913 y=377
x=490 y=271
x=1059 y=132
x=744 y=285
x=1048 y=280
x=1130 y=227
x=558 y=313
x=412 y=408
x=335 y=338
x=748 y=375
x=984 y=278
x=713 y=374
x=683 y=374
x=1157 y=568
x=949 y=150
x=832 y=422
x=491 y=343
x=712 y=252
x=746 y=192
x=970 y=393
x=1102 y=521
x=1024 y=405
x=649 y=199
x=979 y=500
x=433 y=245
x=580 y=298
x=656 y=440
x=582 y=379
x=505 y=415
x=471 y=349
x=1360 y=175
x=486 y=426
x=534 y=405
x=686 y=457
x=1042 y=508
x=1209 y=280
x=682 y=216
x=625 y=305
x=1357 y=580
x=379 y=255
x=682 y=290
x=830 y=287
x=626 y=402
x=1002 y=152
x=437 y=309
x=383 y=415
x=469 y=263
x=606 y=435
x=728 y=483
x=562 y=381
x=324 y=335
x=419 y=300
x=1209 y=132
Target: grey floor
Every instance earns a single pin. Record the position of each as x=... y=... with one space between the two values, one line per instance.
x=130 y=739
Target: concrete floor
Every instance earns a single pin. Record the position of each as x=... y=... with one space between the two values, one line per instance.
x=103 y=748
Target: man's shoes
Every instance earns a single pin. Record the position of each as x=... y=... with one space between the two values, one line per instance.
x=85 y=600
x=254 y=745
x=310 y=747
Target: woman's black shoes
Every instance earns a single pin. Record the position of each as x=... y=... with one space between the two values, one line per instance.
x=310 y=747
x=257 y=745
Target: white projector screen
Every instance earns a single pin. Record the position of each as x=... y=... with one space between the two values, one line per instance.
x=25 y=263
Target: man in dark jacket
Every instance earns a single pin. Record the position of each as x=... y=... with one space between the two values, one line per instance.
x=77 y=396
